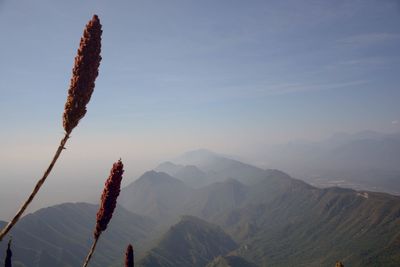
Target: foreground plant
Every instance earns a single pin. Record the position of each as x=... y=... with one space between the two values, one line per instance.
x=108 y=203
x=84 y=74
x=7 y=262
x=129 y=260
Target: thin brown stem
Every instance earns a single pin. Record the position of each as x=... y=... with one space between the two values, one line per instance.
x=91 y=251
x=35 y=190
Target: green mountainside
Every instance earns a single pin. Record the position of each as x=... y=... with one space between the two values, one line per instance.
x=190 y=242
x=317 y=227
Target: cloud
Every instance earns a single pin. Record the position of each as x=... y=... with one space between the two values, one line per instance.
x=371 y=61
x=395 y=122
x=286 y=88
x=369 y=39
x=264 y=89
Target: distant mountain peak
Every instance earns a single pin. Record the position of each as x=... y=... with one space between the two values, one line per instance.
x=154 y=176
x=167 y=164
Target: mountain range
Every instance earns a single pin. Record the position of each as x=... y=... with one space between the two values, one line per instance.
x=279 y=221
x=204 y=209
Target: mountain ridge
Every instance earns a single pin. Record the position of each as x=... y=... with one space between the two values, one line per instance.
x=260 y=215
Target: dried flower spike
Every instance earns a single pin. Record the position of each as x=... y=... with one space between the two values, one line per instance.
x=108 y=203
x=7 y=262
x=82 y=84
x=129 y=256
x=84 y=74
x=109 y=198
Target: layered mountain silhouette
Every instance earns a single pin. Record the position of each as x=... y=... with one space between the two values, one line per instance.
x=189 y=174
x=281 y=221
x=202 y=167
x=241 y=215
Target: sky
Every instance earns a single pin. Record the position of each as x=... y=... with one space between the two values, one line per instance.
x=181 y=75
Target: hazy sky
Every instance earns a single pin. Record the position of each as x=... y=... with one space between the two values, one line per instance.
x=179 y=75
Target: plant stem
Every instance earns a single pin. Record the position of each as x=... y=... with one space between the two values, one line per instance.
x=17 y=216
x=89 y=256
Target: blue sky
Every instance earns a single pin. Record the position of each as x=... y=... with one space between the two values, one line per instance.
x=179 y=75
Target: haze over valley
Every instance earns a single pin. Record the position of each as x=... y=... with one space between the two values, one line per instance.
x=204 y=206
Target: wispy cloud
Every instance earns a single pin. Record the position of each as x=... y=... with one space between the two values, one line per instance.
x=286 y=88
x=264 y=89
x=395 y=122
x=371 y=61
x=369 y=39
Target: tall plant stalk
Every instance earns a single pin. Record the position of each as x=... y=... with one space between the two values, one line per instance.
x=7 y=261
x=91 y=251
x=39 y=184
x=84 y=74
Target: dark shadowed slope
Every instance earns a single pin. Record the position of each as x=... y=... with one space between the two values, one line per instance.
x=191 y=242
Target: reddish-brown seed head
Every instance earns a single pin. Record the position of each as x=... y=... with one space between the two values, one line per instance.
x=109 y=198
x=129 y=256
x=84 y=73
